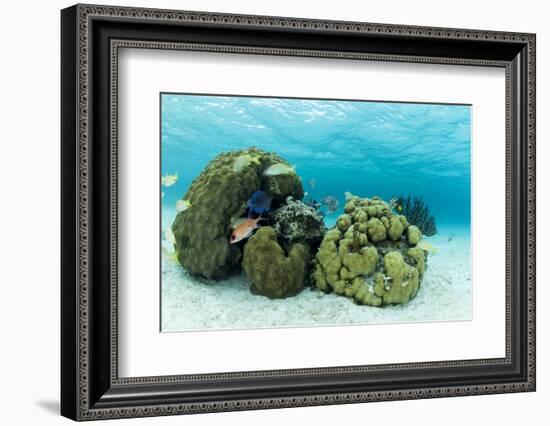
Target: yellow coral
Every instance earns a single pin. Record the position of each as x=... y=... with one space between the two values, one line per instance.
x=363 y=263
x=349 y=259
x=396 y=228
x=376 y=230
x=413 y=235
x=418 y=258
x=400 y=281
x=343 y=222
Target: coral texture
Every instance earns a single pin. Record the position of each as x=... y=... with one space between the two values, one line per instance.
x=271 y=272
x=217 y=197
x=418 y=213
x=399 y=282
x=370 y=255
x=297 y=222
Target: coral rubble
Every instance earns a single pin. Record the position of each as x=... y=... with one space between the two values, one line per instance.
x=370 y=255
x=297 y=222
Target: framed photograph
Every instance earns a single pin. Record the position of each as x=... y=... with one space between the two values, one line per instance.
x=263 y=212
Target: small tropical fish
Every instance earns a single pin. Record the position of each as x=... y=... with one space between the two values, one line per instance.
x=243 y=161
x=312 y=183
x=426 y=246
x=167 y=246
x=330 y=203
x=169 y=254
x=314 y=204
x=169 y=235
x=243 y=228
x=259 y=203
x=182 y=205
x=169 y=180
x=396 y=205
x=306 y=194
x=279 y=169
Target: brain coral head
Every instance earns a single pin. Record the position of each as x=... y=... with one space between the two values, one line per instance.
x=271 y=272
x=218 y=196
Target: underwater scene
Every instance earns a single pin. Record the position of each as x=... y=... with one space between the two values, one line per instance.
x=289 y=212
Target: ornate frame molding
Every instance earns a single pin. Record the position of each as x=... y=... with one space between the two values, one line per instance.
x=89 y=408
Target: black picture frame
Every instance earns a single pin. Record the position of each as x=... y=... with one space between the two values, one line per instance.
x=90 y=386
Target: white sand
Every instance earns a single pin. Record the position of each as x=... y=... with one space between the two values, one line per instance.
x=189 y=303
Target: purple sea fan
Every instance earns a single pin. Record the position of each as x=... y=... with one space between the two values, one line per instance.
x=330 y=203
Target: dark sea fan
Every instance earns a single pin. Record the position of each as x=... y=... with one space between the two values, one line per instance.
x=417 y=213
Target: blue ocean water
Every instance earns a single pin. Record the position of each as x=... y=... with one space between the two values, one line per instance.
x=366 y=148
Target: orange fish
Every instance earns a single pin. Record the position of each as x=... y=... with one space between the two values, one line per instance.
x=243 y=228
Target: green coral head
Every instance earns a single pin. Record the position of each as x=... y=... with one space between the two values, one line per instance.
x=364 y=259
x=228 y=180
x=270 y=271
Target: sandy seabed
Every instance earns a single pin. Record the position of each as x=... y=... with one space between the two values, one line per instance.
x=190 y=303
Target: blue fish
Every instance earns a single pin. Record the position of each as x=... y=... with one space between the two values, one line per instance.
x=259 y=203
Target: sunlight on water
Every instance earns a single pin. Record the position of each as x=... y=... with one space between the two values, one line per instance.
x=367 y=148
